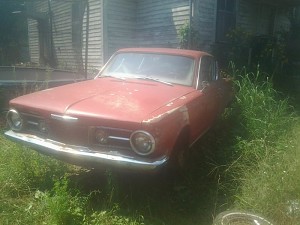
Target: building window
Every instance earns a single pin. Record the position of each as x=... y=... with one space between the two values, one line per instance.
x=226 y=19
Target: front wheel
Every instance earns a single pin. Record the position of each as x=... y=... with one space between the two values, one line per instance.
x=180 y=153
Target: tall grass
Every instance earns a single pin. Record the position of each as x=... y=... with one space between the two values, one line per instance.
x=266 y=153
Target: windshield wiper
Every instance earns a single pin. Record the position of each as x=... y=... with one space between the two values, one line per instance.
x=138 y=77
x=120 y=78
x=154 y=79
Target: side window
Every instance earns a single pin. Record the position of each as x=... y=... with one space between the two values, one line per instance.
x=208 y=71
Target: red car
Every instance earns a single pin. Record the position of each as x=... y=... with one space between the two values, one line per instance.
x=143 y=110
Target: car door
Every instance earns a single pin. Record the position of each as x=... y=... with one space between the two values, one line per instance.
x=206 y=104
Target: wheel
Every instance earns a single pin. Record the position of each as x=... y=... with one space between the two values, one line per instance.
x=180 y=152
x=239 y=218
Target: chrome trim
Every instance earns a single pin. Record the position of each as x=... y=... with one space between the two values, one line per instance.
x=118 y=138
x=32 y=123
x=64 y=118
x=102 y=158
x=10 y=123
x=198 y=75
x=151 y=138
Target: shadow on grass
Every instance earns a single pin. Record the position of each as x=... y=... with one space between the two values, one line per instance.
x=190 y=197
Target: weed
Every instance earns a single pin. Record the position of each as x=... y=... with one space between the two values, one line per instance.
x=22 y=169
x=262 y=175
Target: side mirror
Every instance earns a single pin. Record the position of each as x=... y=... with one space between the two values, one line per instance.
x=204 y=85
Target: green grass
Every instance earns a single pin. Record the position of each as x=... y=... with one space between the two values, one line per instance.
x=248 y=161
x=265 y=163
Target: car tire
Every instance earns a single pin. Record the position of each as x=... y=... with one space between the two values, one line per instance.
x=238 y=217
x=180 y=152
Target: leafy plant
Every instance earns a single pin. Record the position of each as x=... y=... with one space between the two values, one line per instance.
x=189 y=37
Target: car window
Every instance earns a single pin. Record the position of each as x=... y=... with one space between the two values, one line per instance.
x=169 y=68
x=208 y=71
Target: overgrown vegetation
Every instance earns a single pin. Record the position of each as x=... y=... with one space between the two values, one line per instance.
x=248 y=161
x=266 y=152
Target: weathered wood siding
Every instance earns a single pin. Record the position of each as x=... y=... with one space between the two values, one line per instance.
x=247 y=16
x=115 y=24
x=61 y=31
x=256 y=18
x=33 y=41
x=120 y=25
x=158 y=22
x=33 y=33
x=204 y=21
x=62 y=34
x=64 y=49
x=261 y=18
x=282 y=22
x=95 y=35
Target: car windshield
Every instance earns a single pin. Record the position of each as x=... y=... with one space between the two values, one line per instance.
x=172 y=69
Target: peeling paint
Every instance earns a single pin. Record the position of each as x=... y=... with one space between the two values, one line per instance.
x=182 y=110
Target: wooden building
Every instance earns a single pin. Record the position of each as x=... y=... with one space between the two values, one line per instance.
x=79 y=34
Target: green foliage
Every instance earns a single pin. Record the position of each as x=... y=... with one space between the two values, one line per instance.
x=262 y=174
x=111 y=217
x=239 y=44
x=245 y=49
x=58 y=206
x=189 y=37
x=22 y=169
x=263 y=113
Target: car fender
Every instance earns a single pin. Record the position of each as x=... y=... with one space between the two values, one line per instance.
x=167 y=127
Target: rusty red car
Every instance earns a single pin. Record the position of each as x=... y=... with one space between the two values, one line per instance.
x=141 y=112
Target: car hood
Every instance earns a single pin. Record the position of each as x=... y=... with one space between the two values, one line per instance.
x=110 y=98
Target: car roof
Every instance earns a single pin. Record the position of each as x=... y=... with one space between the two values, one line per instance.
x=172 y=51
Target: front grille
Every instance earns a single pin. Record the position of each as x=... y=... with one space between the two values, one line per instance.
x=75 y=133
x=34 y=124
x=68 y=133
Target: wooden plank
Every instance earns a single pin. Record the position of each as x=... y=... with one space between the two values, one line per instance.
x=159 y=22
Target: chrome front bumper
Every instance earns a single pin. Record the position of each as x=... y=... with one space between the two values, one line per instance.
x=85 y=155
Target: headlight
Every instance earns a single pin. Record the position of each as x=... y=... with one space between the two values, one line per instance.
x=43 y=126
x=142 y=142
x=14 y=120
x=101 y=136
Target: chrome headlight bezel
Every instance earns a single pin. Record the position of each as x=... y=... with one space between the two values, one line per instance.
x=15 y=120
x=140 y=139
